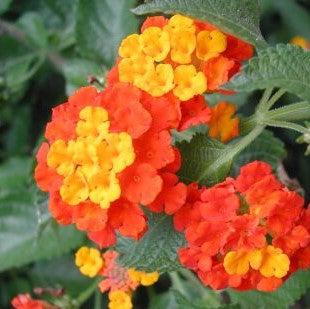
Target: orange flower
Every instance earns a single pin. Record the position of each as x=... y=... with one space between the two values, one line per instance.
x=141 y=183
x=102 y=159
x=157 y=59
x=245 y=233
x=172 y=197
x=222 y=126
x=194 y=111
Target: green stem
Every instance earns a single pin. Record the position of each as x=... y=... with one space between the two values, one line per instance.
x=292 y=112
x=264 y=99
x=98 y=300
x=85 y=295
x=231 y=151
x=286 y=125
x=273 y=99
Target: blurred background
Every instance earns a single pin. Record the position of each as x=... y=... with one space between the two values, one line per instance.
x=48 y=48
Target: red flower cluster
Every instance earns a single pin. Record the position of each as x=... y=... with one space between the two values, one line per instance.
x=247 y=233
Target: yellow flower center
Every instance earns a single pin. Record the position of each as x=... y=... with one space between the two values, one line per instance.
x=270 y=261
x=89 y=261
x=90 y=163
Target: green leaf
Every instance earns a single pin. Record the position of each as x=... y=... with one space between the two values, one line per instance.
x=32 y=25
x=27 y=232
x=60 y=272
x=157 y=250
x=238 y=17
x=265 y=147
x=76 y=71
x=283 y=298
x=296 y=18
x=238 y=99
x=4 y=5
x=163 y=300
x=188 y=134
x=285 y=66
x=101 y=25
x=197 y=156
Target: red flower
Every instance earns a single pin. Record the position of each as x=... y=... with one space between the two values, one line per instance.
x=172 y=197
x=24 y=301
x=194 y=111
x=140 y=183
x=154 y=21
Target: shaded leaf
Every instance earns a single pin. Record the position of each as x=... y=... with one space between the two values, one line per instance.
x=284 y=66
x=27 y=232
x=197 y=156
x=188 y=134
x=238 y=17
x=266 y=147
x=101 y=25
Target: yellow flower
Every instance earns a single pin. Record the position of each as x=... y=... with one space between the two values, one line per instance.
x=188 y=82
x=210 y=44
x=130 y=69
x=90 y=163
x=275 y=263
x=119 y=299
x=182 y=38
x=300 y=41
x=89 y=261
x=155 y=43
x=130 y=46
x=157 y=82
x=142 y=277
x=270 y=261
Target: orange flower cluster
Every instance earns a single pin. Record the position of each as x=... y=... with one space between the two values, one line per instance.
x=247 y=233
x=25 y=301
x=119 y=281
x=185 y=56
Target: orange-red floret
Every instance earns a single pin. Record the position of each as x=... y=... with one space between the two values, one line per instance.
x=250 y=232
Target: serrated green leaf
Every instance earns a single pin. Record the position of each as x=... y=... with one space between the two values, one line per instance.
x=238 y=17
x=285 y=66
x=197 y=156
x=76 y=71
x=101 y=25
x=187 y=135
x=283 y=298
x=265 y=147
x=22 y=213
x=156 y=250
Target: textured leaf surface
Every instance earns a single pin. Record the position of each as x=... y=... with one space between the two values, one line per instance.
x=283 y=66
x=238 y=17
x=27 y=232
x=156 y=250
x=197 y=156
x=101 y=25
x=266 y=148
x=283 y=298
x=187 y=135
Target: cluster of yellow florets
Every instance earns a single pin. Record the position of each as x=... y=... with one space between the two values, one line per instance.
x=90 y=162
x=163 y=59
x=269 y=261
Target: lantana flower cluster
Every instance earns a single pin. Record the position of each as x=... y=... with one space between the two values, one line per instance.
x=25 y=301
x=118 y=281
x=182 y=55
x=250 y=232
x=110 y=153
